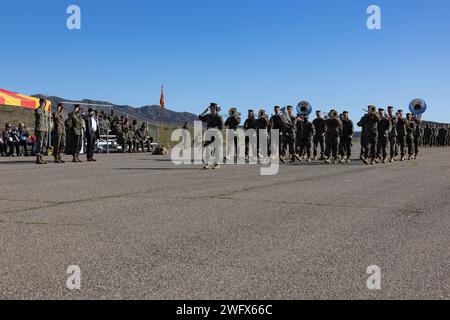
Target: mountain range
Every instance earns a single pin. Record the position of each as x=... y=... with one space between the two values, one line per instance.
x=150 y=113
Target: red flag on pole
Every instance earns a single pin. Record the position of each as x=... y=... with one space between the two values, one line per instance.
x=161 y=100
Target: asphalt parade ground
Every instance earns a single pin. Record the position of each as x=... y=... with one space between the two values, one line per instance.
x=140 y=227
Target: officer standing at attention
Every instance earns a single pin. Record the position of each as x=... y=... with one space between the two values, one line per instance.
x=384 y=129
x=76 y=132
x=59 y=134
x=41 y=130
x=319 y=136
x=346 y=137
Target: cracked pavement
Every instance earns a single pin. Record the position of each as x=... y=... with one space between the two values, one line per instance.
x=141 y=228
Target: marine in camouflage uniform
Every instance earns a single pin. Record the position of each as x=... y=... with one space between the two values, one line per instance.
x=333 y=127
x=141 y=137
x=447 y=136
x=305 y=131
x=125 y=137
x=319 y=136
x=384 y=129
x=262 y=124
x=59 y=134
x=410 y=129
x=76 y=130
x=250 y=124
x=401 y=134
x=289 y=133
x=393 y=150
x=427 y=136
x=213 y=121
x=347 y=132
x=41 y=116
x=418 y=135
x=134 y=141
x=233 y=123
x=369 y=125
x=276 y=123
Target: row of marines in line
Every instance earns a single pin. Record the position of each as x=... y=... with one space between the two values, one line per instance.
x=386 y=135
x=67 y=133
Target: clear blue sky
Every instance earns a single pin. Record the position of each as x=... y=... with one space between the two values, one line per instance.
x=244 y=53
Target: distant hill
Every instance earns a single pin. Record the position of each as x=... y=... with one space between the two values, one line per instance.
x=145 y=113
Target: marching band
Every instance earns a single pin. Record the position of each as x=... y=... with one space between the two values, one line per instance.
x=385 y=136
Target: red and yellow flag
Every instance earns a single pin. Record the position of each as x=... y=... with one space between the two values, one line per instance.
x=9 y=98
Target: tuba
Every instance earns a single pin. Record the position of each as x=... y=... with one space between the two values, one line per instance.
x=418 y=107
x=304 y=108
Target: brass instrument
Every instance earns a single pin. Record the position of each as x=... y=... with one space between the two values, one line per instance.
x=333 y=114
x=287 y=122
x=418 y=107
x=232 y=112
x=371 y=109
x=262 y=114
x=304 y=108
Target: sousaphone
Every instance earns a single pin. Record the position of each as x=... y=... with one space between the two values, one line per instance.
x=418 y=107
x=304 y=108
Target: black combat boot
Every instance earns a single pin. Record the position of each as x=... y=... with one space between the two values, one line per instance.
x=38 y=160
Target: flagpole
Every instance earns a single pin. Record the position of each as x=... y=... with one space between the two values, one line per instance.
x=161 y=102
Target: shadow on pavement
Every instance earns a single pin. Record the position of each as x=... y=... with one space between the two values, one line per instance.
x=160 y=169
